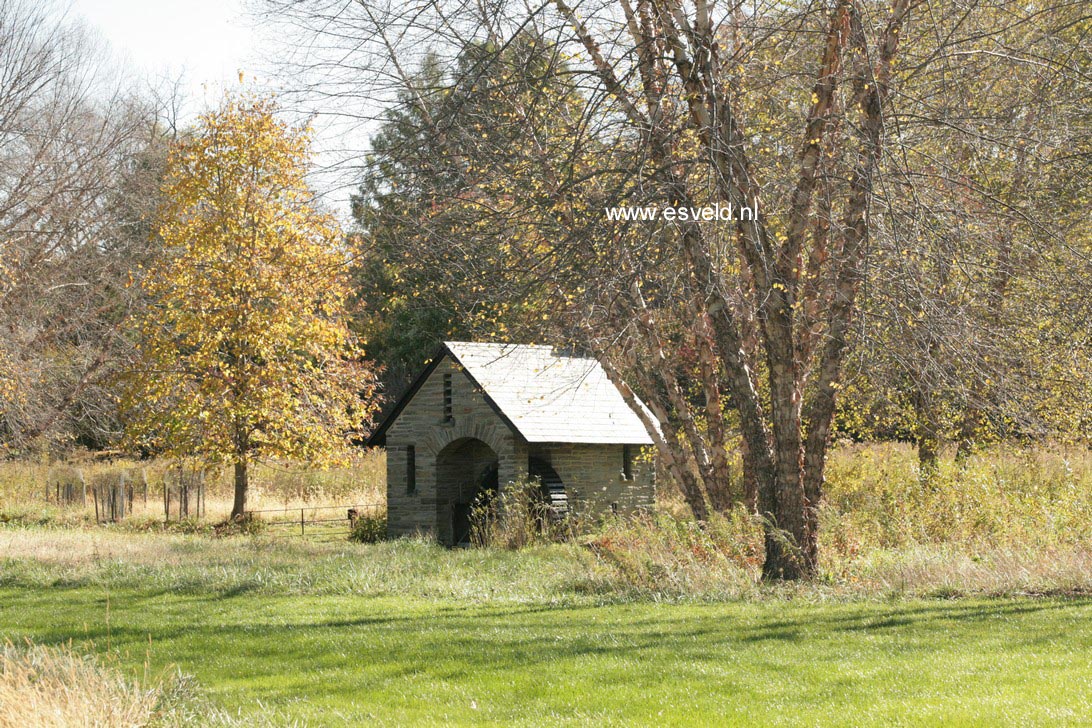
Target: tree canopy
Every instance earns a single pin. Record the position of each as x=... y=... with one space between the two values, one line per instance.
x=863 y=133
x=244 y=346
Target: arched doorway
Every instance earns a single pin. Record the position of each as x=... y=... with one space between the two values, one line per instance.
x=466 y=469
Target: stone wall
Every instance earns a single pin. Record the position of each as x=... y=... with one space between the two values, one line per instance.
x=421 y=424
x=592 y=473
x=594 y=479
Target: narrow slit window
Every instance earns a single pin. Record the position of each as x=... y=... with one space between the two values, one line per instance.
x=411 y=470
x=447 y=398
x=627 y=462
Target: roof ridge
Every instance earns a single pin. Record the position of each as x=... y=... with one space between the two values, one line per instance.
x=501 y=343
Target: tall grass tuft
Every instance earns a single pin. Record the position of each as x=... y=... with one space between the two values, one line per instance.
x=668 y=556
x=518 y=517
x=53 y=686
x=56 y=687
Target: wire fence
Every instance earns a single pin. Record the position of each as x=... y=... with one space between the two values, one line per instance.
x=317 y=522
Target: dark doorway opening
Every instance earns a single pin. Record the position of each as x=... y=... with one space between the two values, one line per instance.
x=466 y=477
x=463 y=511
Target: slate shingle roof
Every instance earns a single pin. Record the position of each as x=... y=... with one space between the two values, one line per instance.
x=544 y=396
x=549 y=397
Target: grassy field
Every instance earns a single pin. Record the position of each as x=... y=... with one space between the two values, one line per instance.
x=408 y=633
x=330 y=660
x=966 y=600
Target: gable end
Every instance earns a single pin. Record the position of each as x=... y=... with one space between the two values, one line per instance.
x=379 y=437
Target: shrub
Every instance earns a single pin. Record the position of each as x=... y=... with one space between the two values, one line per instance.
x=247 y=524
x=369 y=529
x=517 y=517
x=667 y=555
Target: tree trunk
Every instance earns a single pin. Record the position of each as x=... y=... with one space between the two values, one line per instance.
x=786 y=534
x=242 y=482
x=928 y=454
x=928 y=438
x=750 y=482
x=968 y=433
x=787 y=498
x=785 y=530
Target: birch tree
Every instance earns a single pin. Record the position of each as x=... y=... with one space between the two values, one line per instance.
x=734 y=331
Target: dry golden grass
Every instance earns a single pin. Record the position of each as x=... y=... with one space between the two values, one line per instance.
x=1005 y=522
x=78 y=547
x=1006 y=496
x=52 y=687
x=951 y=571
x=24 y=486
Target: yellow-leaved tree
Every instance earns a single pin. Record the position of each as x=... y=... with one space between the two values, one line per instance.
x=244 y=349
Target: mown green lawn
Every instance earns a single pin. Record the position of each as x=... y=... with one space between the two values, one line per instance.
x=331 y=660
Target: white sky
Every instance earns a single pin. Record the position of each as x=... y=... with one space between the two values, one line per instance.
x=208 y=42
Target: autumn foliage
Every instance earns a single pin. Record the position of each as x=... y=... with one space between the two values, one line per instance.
x=244 y=348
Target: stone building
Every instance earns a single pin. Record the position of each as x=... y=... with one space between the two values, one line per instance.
x=483 y=415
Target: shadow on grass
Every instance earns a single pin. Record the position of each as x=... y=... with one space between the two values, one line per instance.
x=510 y=635
x=405 y=660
